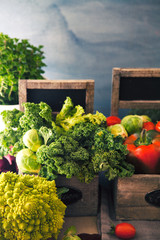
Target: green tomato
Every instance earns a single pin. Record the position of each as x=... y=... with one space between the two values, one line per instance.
x=132 y=123
x=118 y=129
x=27 y=161
x=32 y=140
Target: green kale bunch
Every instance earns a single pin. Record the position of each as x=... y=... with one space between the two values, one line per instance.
x=109 y=155
x=17 y=123
x=65 y=156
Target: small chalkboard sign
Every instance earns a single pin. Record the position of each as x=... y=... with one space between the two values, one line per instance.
x=54 y=93
x=135 y=88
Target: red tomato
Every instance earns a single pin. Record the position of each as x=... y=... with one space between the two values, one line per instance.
x=125 y=230
x=157 y=127
x=112 y=120
x=148 y=126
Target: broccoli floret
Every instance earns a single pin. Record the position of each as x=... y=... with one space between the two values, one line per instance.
x=30 y=208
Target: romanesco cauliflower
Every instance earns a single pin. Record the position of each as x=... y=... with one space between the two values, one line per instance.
x=29 y=208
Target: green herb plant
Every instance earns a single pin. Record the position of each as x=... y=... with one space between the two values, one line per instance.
x=18 y=60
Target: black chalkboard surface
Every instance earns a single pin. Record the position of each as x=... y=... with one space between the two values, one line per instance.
x=139 y=88
x=55 y=97
x=135 y=88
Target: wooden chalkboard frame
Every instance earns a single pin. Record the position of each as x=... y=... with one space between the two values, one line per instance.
x=131 y=73
x=86 y=84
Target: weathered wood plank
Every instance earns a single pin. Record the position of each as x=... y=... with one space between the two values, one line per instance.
x=129 y=197
x=138 y=213
x=141 y=104
x=88 y=205
x=115 y=92
x=22 y=93
x=138 y=72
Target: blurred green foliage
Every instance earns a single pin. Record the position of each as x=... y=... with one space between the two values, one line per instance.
x=18 y=60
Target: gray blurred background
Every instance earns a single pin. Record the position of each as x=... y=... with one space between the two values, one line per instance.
x=85 y=39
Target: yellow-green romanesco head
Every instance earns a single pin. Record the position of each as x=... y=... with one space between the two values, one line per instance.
x=29 y=208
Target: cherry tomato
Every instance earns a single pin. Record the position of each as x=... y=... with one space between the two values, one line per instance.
x=157 y=127
x=148 y=126
x=112 y=120
x=125 y=230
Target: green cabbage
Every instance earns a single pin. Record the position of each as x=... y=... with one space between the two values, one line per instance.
x=118 y=129
x=32 y=140
x=132 y=123
x=27 y=161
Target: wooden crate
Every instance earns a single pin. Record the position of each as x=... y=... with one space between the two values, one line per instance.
x=88 y=204
x=129 y=197
x=54 y=92
x=128 y=85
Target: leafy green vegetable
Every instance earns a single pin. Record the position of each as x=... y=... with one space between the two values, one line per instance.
x=18 y=60
x=132 y=123
x=27 y=161
x=32 y=140
x=69 y=115
x=36 y=116
x=83 y=132
x=118 y=129
x=71 y=234
x=75 y=144
x=48 y=134
x=63 y=156
x=109 y=155
x=11 y=118
x=18 y=123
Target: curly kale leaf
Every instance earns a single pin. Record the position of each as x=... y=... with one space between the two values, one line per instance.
x=8 y=137
x=45 y=112
x=96 y=119
x=11 y=118
x=48 y=134
x=66 y=157
x=69 y=115
x=84 y=133
x=113 y=164
x=36 y=116
x=109 y=155
x=66 y=110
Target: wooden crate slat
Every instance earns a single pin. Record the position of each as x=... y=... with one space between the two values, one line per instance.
x=58 y=84
x=141 y=104
x=138 y=213
x=138 y=72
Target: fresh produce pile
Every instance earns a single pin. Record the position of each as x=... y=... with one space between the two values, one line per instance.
x=29 y=208
x=142 y=138
x=71 y=144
